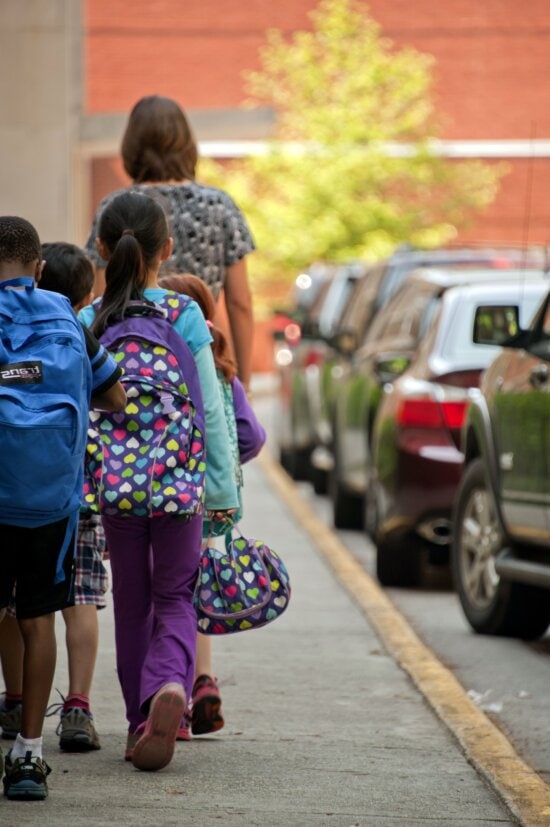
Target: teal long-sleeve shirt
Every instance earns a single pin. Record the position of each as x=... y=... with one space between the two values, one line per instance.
x=221 y=491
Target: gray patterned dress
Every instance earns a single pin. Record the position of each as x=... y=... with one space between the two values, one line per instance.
x=209 y=231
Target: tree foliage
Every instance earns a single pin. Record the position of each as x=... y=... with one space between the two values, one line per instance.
x=352 y=169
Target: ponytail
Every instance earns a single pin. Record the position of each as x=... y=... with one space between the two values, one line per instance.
x=133 y=228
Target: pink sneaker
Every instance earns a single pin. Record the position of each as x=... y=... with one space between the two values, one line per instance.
x=184 y=732
x=206 y=705
x=155 y=749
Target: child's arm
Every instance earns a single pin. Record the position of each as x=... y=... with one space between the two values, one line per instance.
x=107 y=392
x=250 y=433
x=221 y=491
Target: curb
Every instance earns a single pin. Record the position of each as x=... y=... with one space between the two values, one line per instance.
x=486 y=748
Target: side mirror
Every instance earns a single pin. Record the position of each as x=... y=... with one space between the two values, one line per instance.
x=389 y=366
x=497 y=325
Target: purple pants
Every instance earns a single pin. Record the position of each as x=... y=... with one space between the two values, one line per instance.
x=154 y=564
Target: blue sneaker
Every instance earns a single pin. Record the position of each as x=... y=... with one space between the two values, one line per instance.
x=25 y=778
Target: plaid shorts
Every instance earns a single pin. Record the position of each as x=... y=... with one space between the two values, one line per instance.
x=91 y=578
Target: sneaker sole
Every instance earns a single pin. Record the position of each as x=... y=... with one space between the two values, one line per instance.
x=155 y=748
x=26 y=791
x=206 y=715
x=77 y=743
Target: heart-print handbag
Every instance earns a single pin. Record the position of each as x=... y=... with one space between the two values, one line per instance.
x=244 y=586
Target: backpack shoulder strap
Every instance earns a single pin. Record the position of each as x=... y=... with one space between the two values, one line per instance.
x=22 y=281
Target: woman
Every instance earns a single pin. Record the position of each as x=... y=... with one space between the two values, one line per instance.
x=211 y=237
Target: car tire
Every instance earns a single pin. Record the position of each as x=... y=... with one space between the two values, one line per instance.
x=347 y=510
x=399 y=562
x=295 y=461
x=319 y=480
x=491 y=605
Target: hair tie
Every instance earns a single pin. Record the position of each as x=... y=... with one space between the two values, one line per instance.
x=127 y=232
x=209 y=323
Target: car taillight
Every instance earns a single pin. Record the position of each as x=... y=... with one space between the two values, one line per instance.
x=314 y=357
x=430 y=413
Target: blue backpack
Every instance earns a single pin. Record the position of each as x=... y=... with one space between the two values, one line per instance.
x=149 y=460
x=45 y=387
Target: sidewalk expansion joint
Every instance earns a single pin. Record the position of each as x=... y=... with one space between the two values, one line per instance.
x=523 y=791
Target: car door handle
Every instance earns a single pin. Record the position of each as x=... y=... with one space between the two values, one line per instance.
x=539 y=376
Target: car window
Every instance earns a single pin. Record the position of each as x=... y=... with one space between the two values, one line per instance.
x=458 y=340
x=336 y=299
x=405 y=315
x=359 y=312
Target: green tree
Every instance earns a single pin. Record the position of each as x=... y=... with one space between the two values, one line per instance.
x=351 y=171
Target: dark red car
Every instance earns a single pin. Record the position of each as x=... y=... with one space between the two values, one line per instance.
x=416 y=457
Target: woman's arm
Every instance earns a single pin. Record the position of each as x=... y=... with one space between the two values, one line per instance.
x=238 y=301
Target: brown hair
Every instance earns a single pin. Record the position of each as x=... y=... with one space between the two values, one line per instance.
x=196 y=289
x=158 y=144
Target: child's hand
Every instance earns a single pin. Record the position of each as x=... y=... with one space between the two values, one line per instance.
x=220 y=515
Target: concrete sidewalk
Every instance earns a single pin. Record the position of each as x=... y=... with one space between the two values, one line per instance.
x=322 y=727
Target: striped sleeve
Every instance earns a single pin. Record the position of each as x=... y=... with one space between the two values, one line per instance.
x=105 y=371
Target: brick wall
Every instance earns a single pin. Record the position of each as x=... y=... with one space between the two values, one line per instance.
x=492 y=73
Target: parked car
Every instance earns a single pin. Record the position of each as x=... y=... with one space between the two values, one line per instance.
x=415 y=457
x=292 y=346
x=501 y=522
x=373 y=290
x=301 y=376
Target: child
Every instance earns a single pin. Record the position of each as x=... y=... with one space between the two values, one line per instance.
x=68 y=271
x=247 y=437
x=37 y=545
x=155 y=556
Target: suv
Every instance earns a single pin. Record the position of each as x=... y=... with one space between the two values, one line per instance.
x=501 y=522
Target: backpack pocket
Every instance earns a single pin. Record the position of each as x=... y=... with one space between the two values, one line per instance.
x=151 y=458
x=42 y=439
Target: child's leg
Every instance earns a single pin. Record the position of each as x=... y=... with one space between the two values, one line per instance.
x=82 y=636
x=206 y=702
x=82 y=628
x=171 y=654
x=38 y=597
x=169 y=664
x=203 y=664
x=38 y=671
x=131 y=567
x=11 y=657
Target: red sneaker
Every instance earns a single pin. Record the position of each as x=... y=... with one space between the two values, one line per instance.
x=155 y=749
x=184 y=732
x=206 y=705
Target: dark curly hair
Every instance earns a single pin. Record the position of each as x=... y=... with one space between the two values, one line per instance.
x=19 y=241
x=158 y=144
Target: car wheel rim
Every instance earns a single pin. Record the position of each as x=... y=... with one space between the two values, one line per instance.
x=480 y=540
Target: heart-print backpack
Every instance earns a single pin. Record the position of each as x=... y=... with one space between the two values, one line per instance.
x=149 y=460
x=244 y=586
